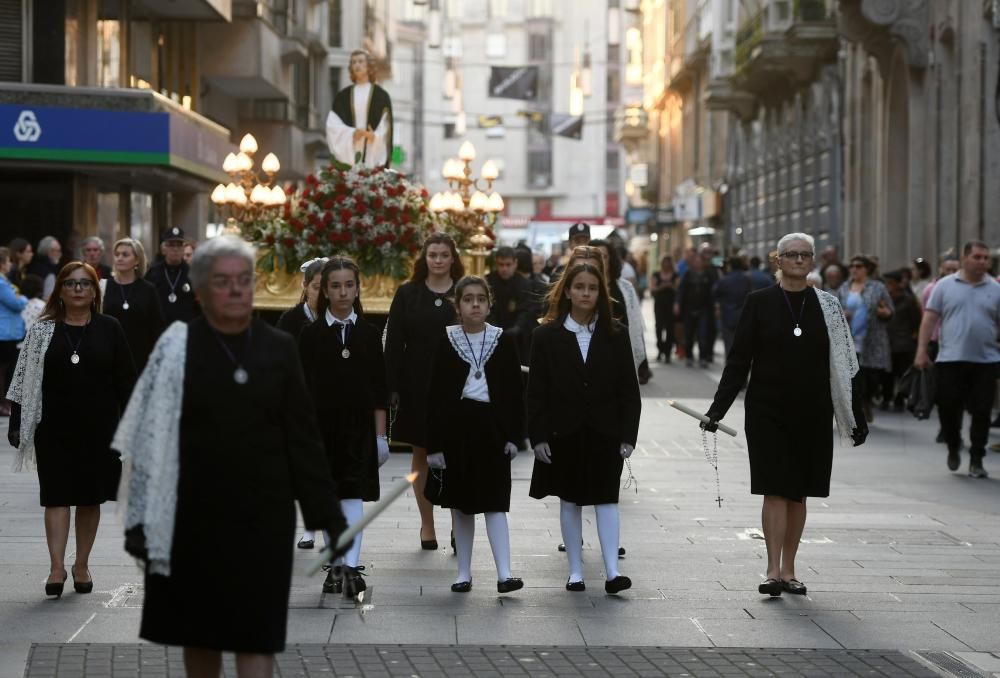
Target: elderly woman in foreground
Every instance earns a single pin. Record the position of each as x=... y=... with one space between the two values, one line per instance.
x=795 y=344
x=219 y=438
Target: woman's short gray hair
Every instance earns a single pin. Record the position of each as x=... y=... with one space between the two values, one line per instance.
x=215 y=248
x=792 y=237
x=92 y=239
x=46 y=243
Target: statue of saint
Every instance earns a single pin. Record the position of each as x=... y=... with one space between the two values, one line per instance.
x=359 y=128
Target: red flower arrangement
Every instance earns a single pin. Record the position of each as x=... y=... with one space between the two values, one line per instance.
x=376 y=216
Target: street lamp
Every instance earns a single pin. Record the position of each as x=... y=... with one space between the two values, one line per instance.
x=470 y=203
x=249 y=196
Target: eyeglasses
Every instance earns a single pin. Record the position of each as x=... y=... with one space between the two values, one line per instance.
x=222 y=282
x=77 y=284
x=797 y=255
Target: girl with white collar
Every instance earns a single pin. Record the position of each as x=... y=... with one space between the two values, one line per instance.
x=475 y=413
x=583 y=414
x=342 y=359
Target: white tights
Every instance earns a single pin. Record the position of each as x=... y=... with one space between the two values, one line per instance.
x=571 y=521
x=499 y=536
x=353 y=509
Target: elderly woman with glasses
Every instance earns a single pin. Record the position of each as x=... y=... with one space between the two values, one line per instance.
x=795 y=345
x=220 y=440
x=71 y=384
x=868 y=308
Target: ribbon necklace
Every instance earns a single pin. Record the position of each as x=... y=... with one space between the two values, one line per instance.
x=482 y=351
x=798 y=330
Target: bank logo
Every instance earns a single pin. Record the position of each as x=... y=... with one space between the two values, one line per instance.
x=27 y=129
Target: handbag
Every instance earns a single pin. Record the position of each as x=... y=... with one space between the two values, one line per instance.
x=434 y=487
x=921 y=388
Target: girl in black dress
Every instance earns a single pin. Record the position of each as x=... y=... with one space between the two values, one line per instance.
x=132 y=300
x=583 y=414
x=420 y=311
x=472 y=425
x=304 y=312
x=345 y=371
x=664 y=290
x=72 y=382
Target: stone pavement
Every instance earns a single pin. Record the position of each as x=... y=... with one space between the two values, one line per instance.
x=901 y=563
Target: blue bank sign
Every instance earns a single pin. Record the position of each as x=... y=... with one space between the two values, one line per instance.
x=93 y=135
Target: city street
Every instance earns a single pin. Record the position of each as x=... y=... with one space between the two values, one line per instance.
x=901 y=564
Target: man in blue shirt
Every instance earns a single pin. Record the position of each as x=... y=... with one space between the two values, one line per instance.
x=968 y=306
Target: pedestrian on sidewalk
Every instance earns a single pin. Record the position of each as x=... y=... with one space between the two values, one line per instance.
x=583 y=409
x=220 y=440
x=71 y=384
x=421 y=309
x=625 y=299
x=903 y=329
x=868 y=308
x=172 y=279
x=729 y=294
x=11 y=325
x=475 y=420
x=696 y=309
x=968 y=306
x=345 y=374
x=132 y=300
x=306 y=311
x=794 y=343
x=663 y=289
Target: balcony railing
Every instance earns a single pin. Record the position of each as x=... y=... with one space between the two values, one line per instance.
x=775 y=17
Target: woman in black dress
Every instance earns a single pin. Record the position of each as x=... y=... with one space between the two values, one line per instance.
x=304 y=312
x=420 y=311
x=475 y=417
x=345 y=372
x=132 y=300
x=791 y=339
x=74 y=376
x=664 y=289
x=583 y=414
x=220 y=438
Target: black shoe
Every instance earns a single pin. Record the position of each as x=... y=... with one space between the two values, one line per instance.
x=619 y=583
x=306 y=543
x=333 y=582
x=511 y=584
x=82 y=586
x=56 y=589
x=621 y=551
x=576 y=586
x=464 y=587
x=953 y=459
x=771 y=587
x=562 y=547
x=996 y=422
x=976 y=469
x=429 y=544
x=793 y=586
x=353 y=582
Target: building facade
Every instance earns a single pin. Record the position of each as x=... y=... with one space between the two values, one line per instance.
x=117 y=114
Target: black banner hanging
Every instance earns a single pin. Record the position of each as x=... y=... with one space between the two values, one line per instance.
x=569 y=126
x=514 y=82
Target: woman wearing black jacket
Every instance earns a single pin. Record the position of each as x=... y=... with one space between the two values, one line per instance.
x=475 y=418
x=583 y=414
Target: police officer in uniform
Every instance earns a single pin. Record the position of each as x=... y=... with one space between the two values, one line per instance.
x=170 y=277
x=579 y=235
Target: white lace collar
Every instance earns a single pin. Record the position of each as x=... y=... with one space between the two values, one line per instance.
x=457 y=337
x=576 y=328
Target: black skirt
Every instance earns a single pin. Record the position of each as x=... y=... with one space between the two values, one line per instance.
x=586 y=469
x=352 y=451
x=477 y=474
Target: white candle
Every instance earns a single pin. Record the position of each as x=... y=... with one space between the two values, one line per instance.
x=347 y=536
x=700 y=417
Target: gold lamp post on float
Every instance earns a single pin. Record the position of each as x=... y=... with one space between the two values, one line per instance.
x=471 y=203
x=250 y=196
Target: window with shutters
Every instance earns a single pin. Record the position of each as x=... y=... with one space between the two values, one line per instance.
x=11 y=41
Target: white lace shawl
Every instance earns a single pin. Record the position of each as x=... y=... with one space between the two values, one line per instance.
x=636 y=327
x=26 y=389
x=148 y=438
x=843 y=363
x=461 y=345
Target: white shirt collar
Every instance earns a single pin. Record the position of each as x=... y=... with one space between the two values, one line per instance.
x=576 y=328
x=330 y=319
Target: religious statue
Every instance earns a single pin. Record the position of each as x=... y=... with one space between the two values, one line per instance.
x=359 y=128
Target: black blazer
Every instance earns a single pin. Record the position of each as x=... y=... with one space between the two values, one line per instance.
x=335 y=382
x=503 y=378
x=565 y=394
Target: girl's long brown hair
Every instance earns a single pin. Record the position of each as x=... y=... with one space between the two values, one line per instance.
x=54 y=308
x=559 y=304
x=338 y=263
x=420 y=266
